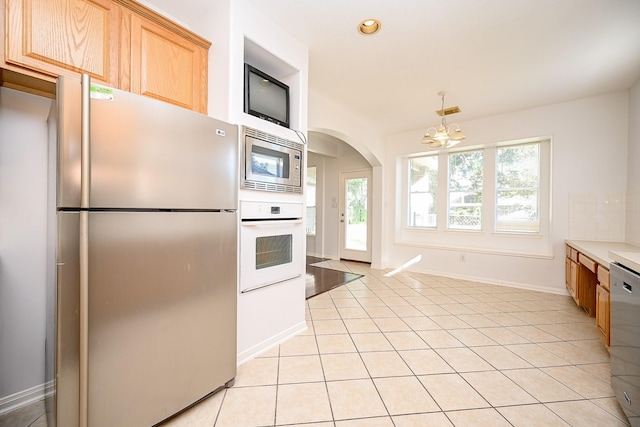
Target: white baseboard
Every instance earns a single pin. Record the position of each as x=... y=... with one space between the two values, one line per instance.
x=268 y=344
x=26 y=397
x=561 y=290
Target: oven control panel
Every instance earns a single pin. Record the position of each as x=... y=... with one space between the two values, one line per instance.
x=251 y=210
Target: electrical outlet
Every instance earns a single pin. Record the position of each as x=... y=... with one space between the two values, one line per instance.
x=461 y=257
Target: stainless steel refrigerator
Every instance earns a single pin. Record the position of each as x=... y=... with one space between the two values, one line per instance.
x=145 y=301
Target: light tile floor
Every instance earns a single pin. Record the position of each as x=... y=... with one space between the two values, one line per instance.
x=422 y=350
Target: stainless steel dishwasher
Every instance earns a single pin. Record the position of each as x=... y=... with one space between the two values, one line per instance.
x=625 y=340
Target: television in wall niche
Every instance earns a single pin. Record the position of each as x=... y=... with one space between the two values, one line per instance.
x=265 y=97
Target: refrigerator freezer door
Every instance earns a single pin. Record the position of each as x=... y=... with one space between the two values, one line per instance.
x=162 y=312
x=145 y=153
x=67 y=321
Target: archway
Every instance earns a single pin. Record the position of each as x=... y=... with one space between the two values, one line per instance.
x=330 y=154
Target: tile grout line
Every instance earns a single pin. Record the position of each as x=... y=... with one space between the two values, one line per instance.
x=505 y=309
x=324 y=376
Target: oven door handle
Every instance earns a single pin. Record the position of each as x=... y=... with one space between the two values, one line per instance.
x=270 y=222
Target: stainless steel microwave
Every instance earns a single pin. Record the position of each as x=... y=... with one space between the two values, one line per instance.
x=271 y=163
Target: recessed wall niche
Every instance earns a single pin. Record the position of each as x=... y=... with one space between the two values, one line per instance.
x=260 y=58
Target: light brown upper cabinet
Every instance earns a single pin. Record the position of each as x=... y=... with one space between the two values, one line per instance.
x=158 y=62
x=120 y=43
x=64 y=37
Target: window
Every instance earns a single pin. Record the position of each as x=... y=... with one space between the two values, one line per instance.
x=503 y=188
x=494 y=198
x=311 y=201
x=518 y=188
x=465 y=190
x=423 y=191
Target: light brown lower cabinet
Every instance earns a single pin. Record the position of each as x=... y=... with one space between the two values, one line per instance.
x=571 y=273
x=603 y=306
x=588 y=283
x=572 y=279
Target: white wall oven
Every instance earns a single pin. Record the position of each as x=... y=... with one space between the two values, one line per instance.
x=271 y=236
x=271 y=163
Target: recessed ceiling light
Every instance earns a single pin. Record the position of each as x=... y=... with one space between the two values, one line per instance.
x=369 y=26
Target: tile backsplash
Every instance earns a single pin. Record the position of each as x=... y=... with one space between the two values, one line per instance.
x=599 y=217
x=633 y=217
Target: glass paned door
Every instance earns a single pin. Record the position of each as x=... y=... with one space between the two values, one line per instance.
x=355 y=216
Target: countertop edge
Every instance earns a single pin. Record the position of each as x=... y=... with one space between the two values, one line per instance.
x=605 y=253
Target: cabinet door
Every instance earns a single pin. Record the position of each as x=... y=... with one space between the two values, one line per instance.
x=573 y=281
x=603 y=277
x=602 y=313
x=65 y=37
x=166 y=66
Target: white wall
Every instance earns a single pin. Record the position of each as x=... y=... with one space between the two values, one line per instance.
x=239 y=34
x=589 y=143
x=216 y=27
x=327 y=117
x=633 y=168
x=23 y=240
x=331 y=119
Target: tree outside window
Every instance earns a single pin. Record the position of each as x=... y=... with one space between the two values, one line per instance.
x=465 y=190
x=357 y=200
x=518 y=188
x=502 y=188
x=357 y=205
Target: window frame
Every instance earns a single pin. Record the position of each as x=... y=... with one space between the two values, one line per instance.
x=315 y=202
x=410 y=193
x=538 y=189
x=481 y=191
x=487 y=239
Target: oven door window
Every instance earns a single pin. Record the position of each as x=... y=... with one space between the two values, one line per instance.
x=267 y=162
x=273 y=250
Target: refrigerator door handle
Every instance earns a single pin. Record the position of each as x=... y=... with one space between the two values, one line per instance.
x=85 y=146
x=85 y=176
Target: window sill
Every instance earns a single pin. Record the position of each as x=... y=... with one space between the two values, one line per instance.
x=515 y=234
x=470 y=249
x=508 y=234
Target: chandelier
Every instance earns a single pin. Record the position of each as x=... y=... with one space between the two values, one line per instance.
x=445 y=135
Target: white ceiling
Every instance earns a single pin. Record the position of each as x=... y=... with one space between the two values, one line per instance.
x=491 y=56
